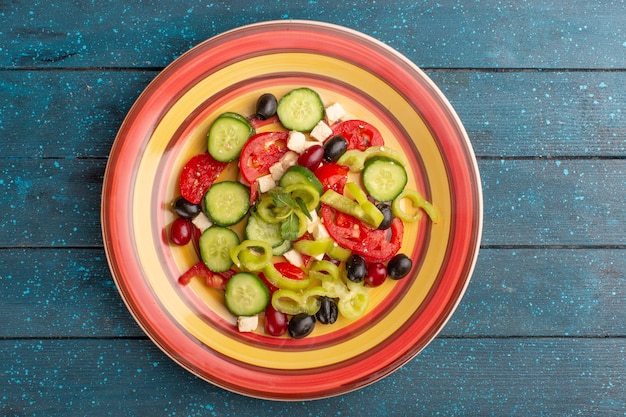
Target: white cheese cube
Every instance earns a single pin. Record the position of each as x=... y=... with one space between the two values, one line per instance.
x=289 y=159
x=202 y=222
x=247 y=323
x=314 y=220
x=319 y=231
x=321 y=131
x=294 y=258
x=296 y=141
x=334 y=113
x=277 y=170
x=266 y=183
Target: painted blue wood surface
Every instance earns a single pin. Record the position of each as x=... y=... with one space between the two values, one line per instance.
x=451 y=377
x=60 y=114
x=443 y=34
x=541 y=89
x=527 y=202
x=57 y=292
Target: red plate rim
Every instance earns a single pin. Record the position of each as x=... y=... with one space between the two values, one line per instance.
x=302 y=36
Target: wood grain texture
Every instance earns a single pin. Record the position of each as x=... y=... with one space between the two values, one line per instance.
x=451 y=377
x=582 y=204
x=444 y=34
x=550 y=292
x=66 y=114
x=60 y=293
x=47 y=203
x=539 y=86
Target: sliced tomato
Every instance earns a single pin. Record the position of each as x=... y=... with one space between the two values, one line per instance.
x=260 y=152
x=372 y=244
x=359 y=134
x=290 y=270
x=211 y=279
x=254 y=192
x=198 y=174
x=332 y=176
x=272 y=288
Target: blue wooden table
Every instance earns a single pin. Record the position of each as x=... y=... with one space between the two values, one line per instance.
x=541 y=88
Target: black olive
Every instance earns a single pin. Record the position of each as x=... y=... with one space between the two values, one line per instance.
x=301 y=325
x=399 y=266
x=356 y=268
x=185 y=208
x=266 y=106
x=334 y=148
x=387 y=216
x=328 y=312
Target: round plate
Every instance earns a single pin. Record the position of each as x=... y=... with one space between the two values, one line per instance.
x=168 y=125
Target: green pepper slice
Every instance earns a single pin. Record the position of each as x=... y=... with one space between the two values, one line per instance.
x=279 y=280
x=269 y=213
x=346 y=205
x=418 y=202
x=292 y=302
x=370 y=209
x=355 y=159
x=354 y=303
x=308 y=193
x=247 y=256
x=313 y=247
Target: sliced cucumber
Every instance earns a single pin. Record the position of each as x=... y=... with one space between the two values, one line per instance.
x=384 y=178
x=300 y=109
x=227 y=136
x=246 y=294
x=258 y=229
x=239 y=117
x=297 y=174
x=226 y=202
x=215 y=244
x=281 y=248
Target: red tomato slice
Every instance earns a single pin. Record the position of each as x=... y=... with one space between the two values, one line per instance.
x=198 y=174
x=359 y=134
x=260 y=152
x=332 y=176
x=211 y=279
x=372 y=244
x=254 y=192
x=289 y=270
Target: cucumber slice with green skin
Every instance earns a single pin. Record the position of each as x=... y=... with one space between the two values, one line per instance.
x=226 y=202
x=227 y=136
x=297 y=174
x=258 y=229
x=215 y=245
x=384 y=178
x=300 y=109
x=246 y=294
x=239 y=117
x=283 y=247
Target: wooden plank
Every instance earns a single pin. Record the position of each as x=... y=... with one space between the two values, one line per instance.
x=555 y=292
x=539 y=34
x=548 y=292
x=60 y=293
x=450 y=377
x=50 y=202
x=554 y=202
x=527 y=202
x=545 y=114
x=53 y=114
